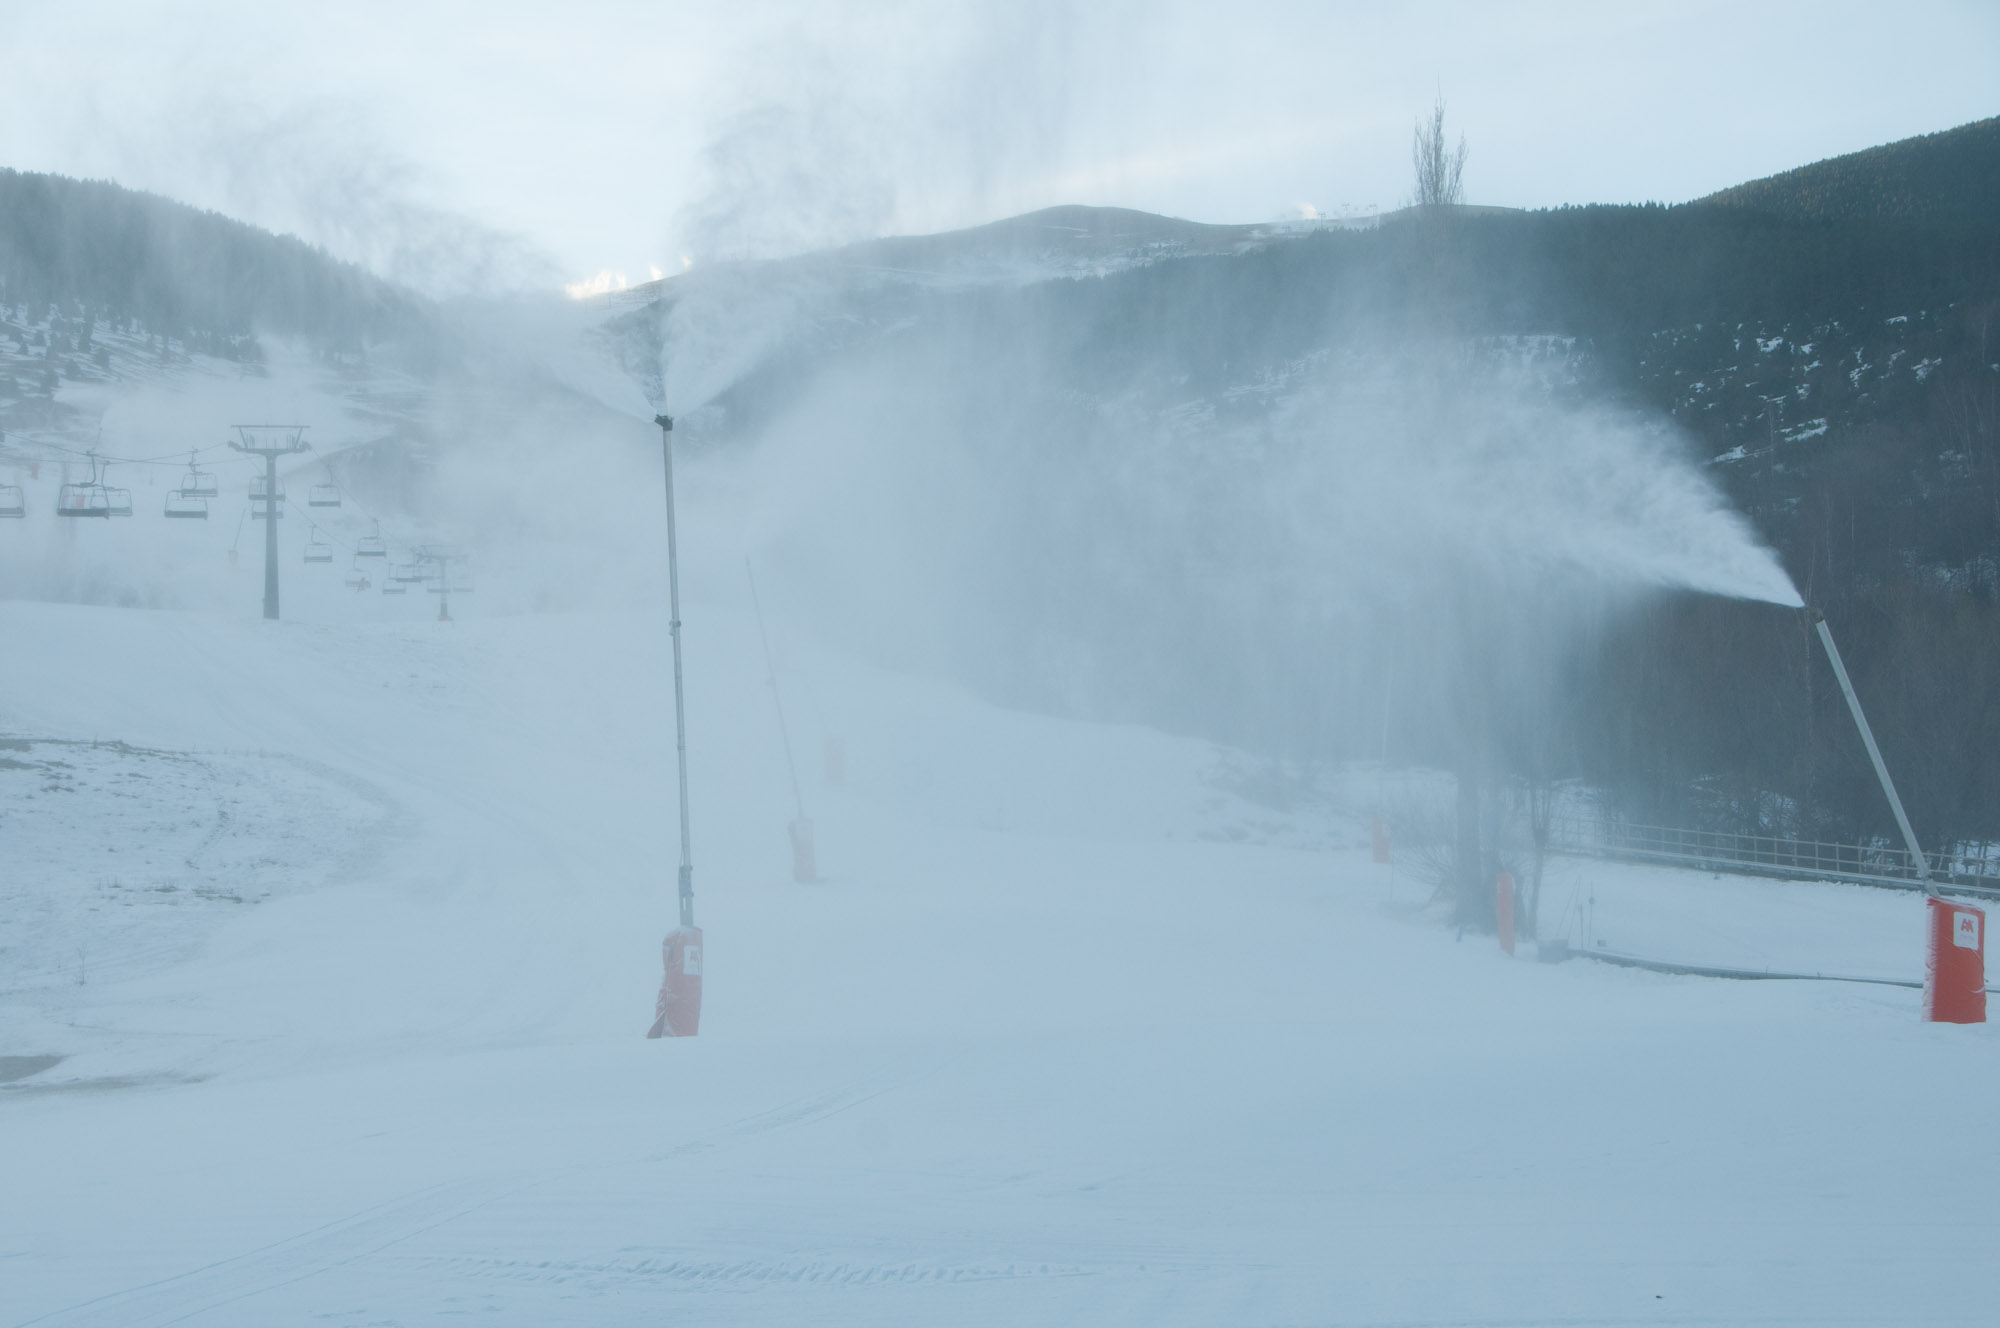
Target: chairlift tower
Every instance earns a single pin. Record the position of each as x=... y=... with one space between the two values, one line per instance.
x=445 y=571
x=269 y=441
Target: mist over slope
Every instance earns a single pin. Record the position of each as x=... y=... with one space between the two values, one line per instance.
x=1153 y=466
x=1286 y=485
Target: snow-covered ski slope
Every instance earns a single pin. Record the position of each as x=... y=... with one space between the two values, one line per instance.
x=360 y=935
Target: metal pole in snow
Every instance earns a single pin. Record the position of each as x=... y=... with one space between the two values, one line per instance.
x=784 y=733
x=666 y=424
x=271 y=535
x=1918 y=862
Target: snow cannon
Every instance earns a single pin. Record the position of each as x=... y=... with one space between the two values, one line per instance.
x=678 y=1011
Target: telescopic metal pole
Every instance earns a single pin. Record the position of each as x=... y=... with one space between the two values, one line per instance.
x=771 y=669
x=1918 y=863
x=666 y=424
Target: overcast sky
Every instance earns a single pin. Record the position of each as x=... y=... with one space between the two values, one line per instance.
x=482 y=144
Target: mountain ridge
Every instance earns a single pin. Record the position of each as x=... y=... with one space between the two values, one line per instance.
x=1948 y=178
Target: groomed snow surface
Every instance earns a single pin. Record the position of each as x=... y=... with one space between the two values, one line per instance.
x=348 y=936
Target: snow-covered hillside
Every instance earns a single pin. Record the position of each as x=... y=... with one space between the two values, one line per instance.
x=1070 y=1031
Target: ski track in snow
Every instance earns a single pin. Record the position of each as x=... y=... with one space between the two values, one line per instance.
x=1084 y=1024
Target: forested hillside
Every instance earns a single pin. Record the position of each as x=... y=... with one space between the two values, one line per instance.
x=1945 y=179
x=92 y=248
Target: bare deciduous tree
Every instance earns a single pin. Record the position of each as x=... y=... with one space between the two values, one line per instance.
x=1438 y=168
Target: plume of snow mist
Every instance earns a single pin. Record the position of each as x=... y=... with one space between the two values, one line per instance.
x=1382 y=537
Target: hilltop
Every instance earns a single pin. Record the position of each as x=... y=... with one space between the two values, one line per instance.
x=1950 y=178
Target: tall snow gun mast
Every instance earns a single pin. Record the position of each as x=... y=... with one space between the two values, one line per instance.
x=677 y=1013
x=1919 y=864
x=666 y=424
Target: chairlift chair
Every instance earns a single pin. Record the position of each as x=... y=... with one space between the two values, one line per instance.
x=317 y=549
x=120 y=501
x=198 y=483
x=185 y=506
x=390 y=587
x=84 y=499
x=372 y=545
x=12 y=503
x=258 y=483
x=323 y=495
x=358 y=582
x=406 y=573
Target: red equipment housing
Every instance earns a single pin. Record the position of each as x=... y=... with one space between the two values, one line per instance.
x=678 y=1011
x=1955 y=963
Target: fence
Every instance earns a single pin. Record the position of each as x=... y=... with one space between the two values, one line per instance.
x=1771 y=855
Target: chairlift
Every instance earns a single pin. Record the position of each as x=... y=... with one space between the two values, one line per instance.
x=83 y=499
x=258 y=485
x=12 y=503
x=358 y=582
x=91 y=497
x=323 y=495
x=317 y=549
x=372 y=545
x=391 y=588
x=182 y=505
x=260 y=511
x=407 y=573
x=197 y=483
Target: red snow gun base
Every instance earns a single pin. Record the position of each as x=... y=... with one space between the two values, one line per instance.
x=678 y=1012
x=1955 y=965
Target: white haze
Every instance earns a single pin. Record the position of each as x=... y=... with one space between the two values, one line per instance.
x=1347 y=552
